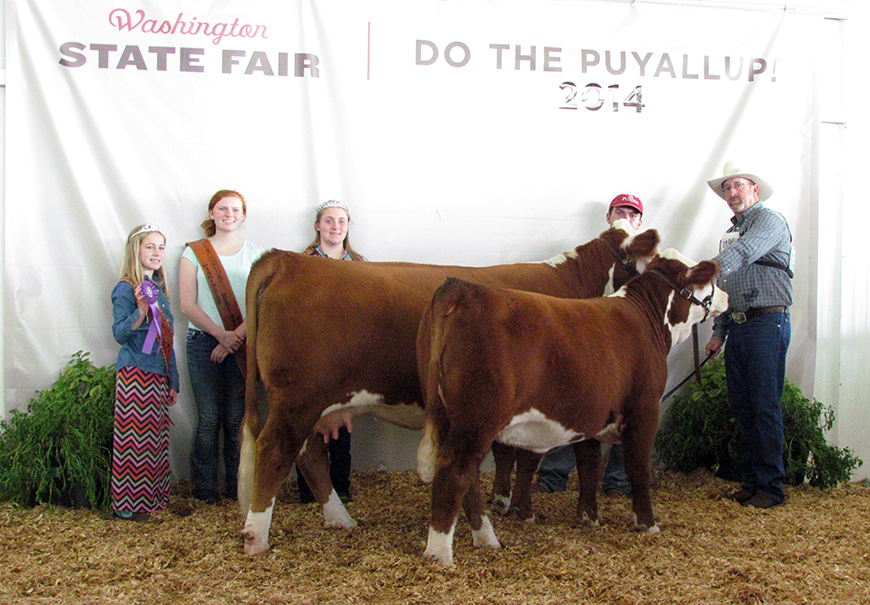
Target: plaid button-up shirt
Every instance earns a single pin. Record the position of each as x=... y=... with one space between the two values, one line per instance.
x=759 y=234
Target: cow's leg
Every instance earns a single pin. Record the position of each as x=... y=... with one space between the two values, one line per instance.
x=457 y=474
x=527 y=464
x=448 y=492
x=588 y=455
x=504 y=457
x=482 y=532
x=313 y=463
x=637 y=449
x=275 y=450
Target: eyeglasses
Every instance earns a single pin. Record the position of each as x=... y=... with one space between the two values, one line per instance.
x=739 y=186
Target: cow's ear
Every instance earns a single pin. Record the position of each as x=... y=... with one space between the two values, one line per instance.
x=643 y=245
x=702 y=273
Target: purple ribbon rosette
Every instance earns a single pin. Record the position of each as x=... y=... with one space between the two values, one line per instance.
x=149 y=291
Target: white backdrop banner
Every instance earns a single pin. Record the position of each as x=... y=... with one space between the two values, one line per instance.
x=459 y=132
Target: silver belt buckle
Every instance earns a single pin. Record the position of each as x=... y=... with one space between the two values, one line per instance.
x=738 y=316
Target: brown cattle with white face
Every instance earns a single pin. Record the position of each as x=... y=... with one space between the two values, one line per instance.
x=331 y=340
x=537 y=372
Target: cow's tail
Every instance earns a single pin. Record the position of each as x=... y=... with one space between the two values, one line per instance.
x=261 y=275
x=427 y=452
x=435 y=327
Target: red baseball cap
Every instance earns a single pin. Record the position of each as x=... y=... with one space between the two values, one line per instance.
x=623 y=199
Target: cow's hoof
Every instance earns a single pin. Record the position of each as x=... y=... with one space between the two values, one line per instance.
x=646 y=528
x=501 y=505
x=439 y=547
x=485 y=536
x=588 y=521
x=335 y=515
x=252 y=545
x=650 y=531
x=341 y=526
x=344 y=524
x=438 y=560
x=530 y=519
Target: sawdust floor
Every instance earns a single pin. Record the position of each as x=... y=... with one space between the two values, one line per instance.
x=816 y=549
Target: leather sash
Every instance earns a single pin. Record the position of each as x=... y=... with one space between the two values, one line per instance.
x=222 y=291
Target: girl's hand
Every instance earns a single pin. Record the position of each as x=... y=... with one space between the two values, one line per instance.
x=173 y=397
x=219 y=353
x=230 y=341
x=142 y=305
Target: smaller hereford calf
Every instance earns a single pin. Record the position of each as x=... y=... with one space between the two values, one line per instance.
x=538 y=372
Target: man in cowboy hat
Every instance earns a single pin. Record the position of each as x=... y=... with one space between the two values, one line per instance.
x=754 y=261
x=558 y=463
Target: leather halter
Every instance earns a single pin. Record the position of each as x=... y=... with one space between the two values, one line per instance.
x=687 y=294
x=626 y=264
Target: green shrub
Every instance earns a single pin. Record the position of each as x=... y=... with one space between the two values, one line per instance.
x=698 y=431
x=63 y=444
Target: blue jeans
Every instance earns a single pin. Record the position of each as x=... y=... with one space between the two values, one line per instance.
x=557 y=464
x=615 y=479
x=218 y=389
x=555 y=467
x=755 y=371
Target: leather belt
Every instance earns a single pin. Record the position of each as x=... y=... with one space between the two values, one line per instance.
x=753 y=312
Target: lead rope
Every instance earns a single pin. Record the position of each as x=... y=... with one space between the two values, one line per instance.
x=696 y=372
x=697 y=354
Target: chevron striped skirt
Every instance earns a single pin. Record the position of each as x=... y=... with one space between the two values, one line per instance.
x=140 y=456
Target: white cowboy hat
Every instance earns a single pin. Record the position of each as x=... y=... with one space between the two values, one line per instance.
x=734 y=169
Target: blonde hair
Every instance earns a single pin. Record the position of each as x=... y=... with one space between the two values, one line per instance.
x=346 y=243
x=131 y=268
x=208 y=226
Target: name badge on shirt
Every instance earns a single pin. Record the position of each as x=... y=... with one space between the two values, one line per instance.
x=729 y=238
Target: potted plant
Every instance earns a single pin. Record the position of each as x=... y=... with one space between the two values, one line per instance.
x=698 y=431
x=60 y=450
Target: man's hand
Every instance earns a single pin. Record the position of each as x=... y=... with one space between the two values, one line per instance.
x=713 y=347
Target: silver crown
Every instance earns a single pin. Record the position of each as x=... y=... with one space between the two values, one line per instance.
x=145 y=229
x=331 y=204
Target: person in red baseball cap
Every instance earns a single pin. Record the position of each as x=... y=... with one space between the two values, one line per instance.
x=628 y=207
x=557 y=464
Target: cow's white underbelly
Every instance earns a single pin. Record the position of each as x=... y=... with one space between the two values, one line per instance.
x=533 y=431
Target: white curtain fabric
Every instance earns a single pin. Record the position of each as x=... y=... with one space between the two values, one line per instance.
x=459 y=132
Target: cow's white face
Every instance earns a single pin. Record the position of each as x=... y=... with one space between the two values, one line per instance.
x=718 y=304
x=625 y=225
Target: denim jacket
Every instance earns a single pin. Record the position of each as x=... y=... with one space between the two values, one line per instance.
x=124 y=315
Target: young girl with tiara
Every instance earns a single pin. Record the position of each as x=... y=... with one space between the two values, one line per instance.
x=332 y=240
x=147 y=378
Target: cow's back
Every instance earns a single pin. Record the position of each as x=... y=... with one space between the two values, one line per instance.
x=355 y=324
